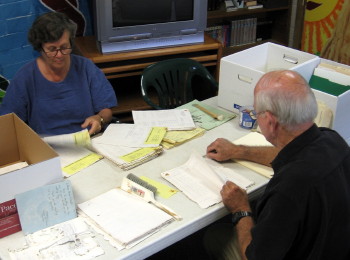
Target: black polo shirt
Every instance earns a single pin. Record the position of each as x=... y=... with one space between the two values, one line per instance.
x=304 y=212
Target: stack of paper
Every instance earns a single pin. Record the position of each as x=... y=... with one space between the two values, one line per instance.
x=129 y=145
x=202 y=182
x=175 y=138
x=125 y=217
x=124 y=157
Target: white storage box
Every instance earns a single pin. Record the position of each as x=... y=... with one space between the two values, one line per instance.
x=333 y=89
x=240 y=71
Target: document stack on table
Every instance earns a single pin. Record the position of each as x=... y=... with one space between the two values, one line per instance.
x=129 y=145
x=175 y=138
x=178 y=122
x=125 y=217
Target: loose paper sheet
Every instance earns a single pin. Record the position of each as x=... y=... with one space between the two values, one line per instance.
x=13 y=167
x=172 y=119
x=79 y=138
x=75 y=158
x=163 y=190
x=202 y=183
x=73 y=240
x=45 y=206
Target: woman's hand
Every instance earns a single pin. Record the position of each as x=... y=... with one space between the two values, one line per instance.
x=94 y=123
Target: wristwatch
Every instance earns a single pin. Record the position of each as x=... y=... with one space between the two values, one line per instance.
x=102 y=121
x=240 y=214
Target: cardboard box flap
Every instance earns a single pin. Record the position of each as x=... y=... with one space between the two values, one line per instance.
x=29 y=141
x=18 y=142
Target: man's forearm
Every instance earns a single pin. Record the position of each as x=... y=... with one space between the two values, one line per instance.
x=243 y=229
x=259 y=154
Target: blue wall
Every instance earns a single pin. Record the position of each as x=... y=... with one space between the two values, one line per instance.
x=16 y=17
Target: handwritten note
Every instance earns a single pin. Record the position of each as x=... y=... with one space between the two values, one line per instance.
x=46 y=206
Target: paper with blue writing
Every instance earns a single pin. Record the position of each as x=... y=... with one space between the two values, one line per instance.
x=46 y=206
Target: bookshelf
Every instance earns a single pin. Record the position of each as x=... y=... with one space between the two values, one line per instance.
x=272 y=24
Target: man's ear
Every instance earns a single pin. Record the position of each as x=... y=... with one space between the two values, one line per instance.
x=272 y=123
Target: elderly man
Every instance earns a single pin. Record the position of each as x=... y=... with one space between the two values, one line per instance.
x=304 y=212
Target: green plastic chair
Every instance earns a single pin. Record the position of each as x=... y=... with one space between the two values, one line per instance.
x=174 y=82
x=3 y=86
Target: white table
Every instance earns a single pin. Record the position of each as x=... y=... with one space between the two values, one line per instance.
x=104 y=175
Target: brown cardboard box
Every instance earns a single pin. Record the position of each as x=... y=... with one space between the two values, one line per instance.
x=19 y=143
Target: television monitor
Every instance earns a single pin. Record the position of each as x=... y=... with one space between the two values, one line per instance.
x=128 y=25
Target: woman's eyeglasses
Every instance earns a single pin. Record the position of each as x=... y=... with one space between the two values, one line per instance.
x=53 y=53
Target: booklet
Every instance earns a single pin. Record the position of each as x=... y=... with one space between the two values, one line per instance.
x=124 y=216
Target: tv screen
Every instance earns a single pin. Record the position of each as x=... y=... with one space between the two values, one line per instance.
x=122 y=26
x=150 y=12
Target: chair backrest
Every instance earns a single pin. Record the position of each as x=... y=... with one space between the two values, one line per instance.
x=3 y=87
x=174 y=82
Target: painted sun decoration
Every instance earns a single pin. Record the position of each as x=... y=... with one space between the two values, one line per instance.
x=319 y=22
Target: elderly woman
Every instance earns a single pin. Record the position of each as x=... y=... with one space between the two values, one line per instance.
x=59 y=92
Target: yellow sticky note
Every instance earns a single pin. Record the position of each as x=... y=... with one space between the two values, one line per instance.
x=81 y=164
x=156 y=135
x=162 y=190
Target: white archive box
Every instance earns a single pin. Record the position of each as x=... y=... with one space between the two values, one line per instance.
x=331 y=85
x=240 y=71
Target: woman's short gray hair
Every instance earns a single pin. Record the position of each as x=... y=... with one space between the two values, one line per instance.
x=50 y=27
x=292 y=106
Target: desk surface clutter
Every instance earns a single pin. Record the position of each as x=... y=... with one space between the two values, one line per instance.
x=115 y=224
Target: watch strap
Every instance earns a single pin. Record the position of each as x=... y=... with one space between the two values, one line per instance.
x=239 y=215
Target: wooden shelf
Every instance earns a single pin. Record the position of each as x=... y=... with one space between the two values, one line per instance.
x=124 y=64
x=278 y=17
x=124 y=69
x=222 y=14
